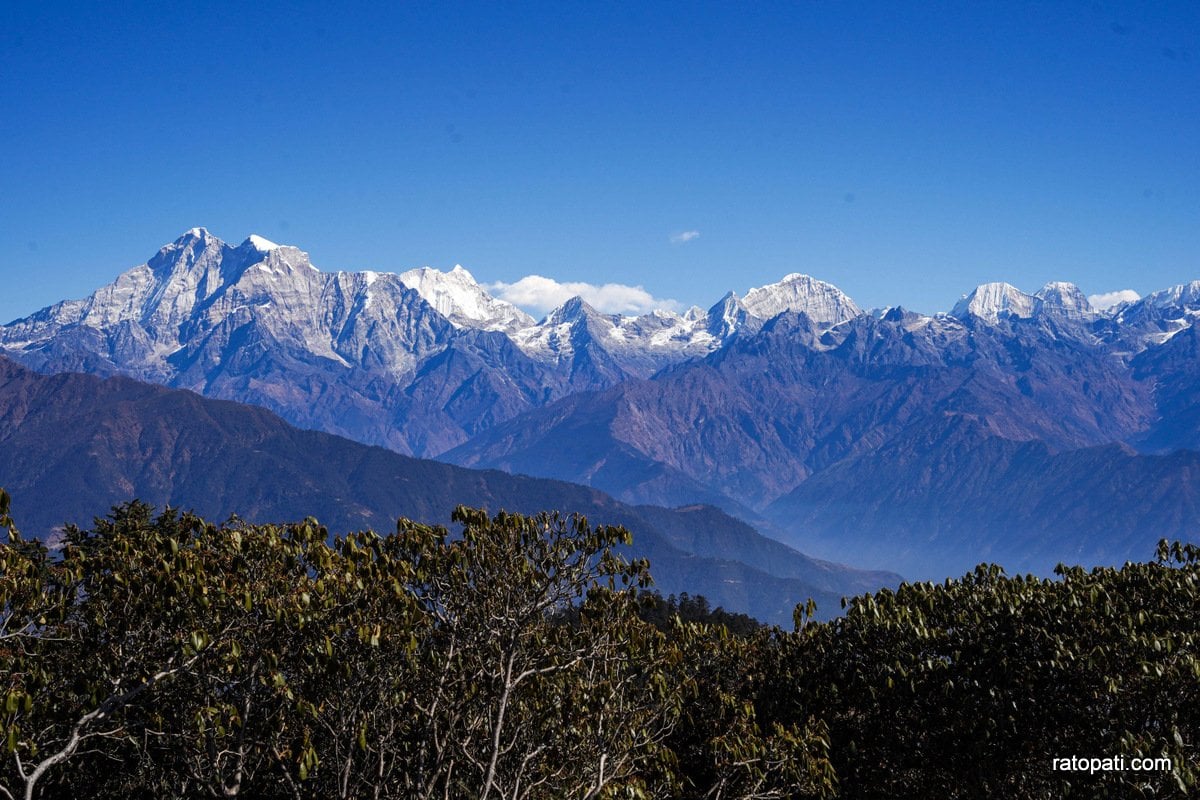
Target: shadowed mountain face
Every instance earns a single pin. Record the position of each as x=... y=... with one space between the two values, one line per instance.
x=1173 y=370
x=75 y=445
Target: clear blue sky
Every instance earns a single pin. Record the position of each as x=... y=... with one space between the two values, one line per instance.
x=903 y=151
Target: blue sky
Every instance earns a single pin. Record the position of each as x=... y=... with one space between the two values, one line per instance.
x=905 y=152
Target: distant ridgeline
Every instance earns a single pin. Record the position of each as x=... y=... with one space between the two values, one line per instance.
x=164 y=656
x=75 y=444
x=1024 y=428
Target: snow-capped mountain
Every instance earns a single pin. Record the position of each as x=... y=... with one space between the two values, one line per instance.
x=635 y=345
x=643 y=344
x=824 y=303
x=1156 y=318
x=459 y=298
x=424 y=360
x=1065 y=299
x=1184 y=296
x=727 y=317
x=181 y=310
x=994 y=301
x=417 y=361
x=259 y=323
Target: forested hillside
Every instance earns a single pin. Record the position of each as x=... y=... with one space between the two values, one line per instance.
x=519 y=656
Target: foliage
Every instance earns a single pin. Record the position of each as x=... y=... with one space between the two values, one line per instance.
x=665 y=613
x=973 y=687
x=164 y=656
x=521 y=657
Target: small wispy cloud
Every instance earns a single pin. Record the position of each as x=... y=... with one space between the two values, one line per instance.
x=538 y=294
x=1107 y=300
x=683 y=237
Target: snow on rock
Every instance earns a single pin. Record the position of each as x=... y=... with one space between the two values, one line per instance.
x=824 y=303
x=195 y=292
x=1065 y=299
x=726 y=316
x=261 y=244
x=1184 y=295
x=993 y=301
x=640 y=344
x=457 y=296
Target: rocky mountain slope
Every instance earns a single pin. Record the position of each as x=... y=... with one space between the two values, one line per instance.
x=758 y=417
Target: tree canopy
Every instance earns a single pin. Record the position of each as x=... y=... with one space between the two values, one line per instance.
x=510 y=656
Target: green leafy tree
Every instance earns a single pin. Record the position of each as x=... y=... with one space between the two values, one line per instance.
x=973 y=687
x=521 y=657
x=175 y=647
x=731 y=743
x=515 y=702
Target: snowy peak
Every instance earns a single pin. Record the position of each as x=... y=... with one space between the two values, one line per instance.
x=185 y=305
x=197 y=260
x=554 y=338
x=1064 y=299
x=1159 y=315
x=573 y=311
x=192 y=234
x=458 y=297
x=825 y=304
x=187 y=248
x=994 y=301
x=662 y=337
x=260 y=244
x=1185 y=296
x=636 y=345
x=726 y=316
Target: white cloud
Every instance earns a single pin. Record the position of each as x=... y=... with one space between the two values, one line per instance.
x=1107 y=300
x=683 y=237
x=538 y=295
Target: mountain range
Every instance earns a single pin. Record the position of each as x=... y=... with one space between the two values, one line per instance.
x=1023 y=428
x=418 y=362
